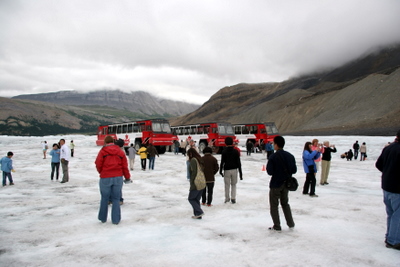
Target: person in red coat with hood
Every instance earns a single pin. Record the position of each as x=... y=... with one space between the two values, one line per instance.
x=112 y=165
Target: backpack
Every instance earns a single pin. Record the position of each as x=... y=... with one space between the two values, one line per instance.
x=199 y=180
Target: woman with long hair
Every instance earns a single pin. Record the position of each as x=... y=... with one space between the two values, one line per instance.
x=196 y=162
x=310 y=168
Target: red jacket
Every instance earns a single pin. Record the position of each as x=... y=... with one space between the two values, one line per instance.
x=111 y=162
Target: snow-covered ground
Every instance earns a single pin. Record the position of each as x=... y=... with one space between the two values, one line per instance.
x=46 y=223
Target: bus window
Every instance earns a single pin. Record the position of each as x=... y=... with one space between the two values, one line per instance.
x=245 y=130
x=165 y=127
x=105 y=130
x=229 y=129
x=206 y=129
x=119 y=128
x=136 y=128
x=112 y=129
x=193 y=130
x=253 y=129
x=186 y=131
x=214 y=130
x=200 y=130
x=238 y=129
x=125 y=128
x=142 y=127
x=130 y=128
x=156 y=127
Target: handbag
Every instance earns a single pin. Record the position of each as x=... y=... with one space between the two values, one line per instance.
x=291 y=182
x=199 y=180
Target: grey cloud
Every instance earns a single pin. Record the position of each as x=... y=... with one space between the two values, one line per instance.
x=192 y=48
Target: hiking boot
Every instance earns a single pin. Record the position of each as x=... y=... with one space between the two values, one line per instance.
x=11 y=183
x=233 y=201
x=275 y=228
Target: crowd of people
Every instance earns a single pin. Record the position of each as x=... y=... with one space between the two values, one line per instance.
x=113 y=168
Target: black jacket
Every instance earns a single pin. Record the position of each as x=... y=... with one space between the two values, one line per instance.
x=389 y=164
x=327 y=153
x=276 y=167
x=230 y=160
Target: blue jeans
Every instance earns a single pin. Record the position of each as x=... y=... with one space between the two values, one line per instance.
x=151 y=163
x=5 y=175
x=194 y=200
x=392 y=202
x=110 y=188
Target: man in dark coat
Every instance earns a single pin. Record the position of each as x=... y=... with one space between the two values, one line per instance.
x=280 y=165
x=389 y=164
x=210 y=169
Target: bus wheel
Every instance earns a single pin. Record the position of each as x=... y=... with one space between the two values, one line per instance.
x=161 y=149
x=202 y=145
x=137 y=146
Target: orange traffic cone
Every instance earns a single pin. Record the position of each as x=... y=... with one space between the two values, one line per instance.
x=263 y=168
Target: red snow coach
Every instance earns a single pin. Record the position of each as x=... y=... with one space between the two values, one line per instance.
x=205 y=134
x=257 y=133
x=155 y=131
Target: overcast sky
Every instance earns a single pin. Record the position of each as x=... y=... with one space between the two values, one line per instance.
x=184 y=50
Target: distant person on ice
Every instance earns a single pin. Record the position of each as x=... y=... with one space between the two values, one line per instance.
x=55 y=161
x=363 y=151
x=230 y=166
x=326 y=162
x=7 y=168
x=112 y=165
x=65 y=155
x=389 y=164
x=356 y=147
x=310 y=168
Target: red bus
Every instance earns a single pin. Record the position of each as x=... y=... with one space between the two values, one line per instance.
x=205 y=134
x=258 y=133
x=155 y=131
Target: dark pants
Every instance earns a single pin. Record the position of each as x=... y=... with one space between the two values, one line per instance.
x=64 y=166
x=194 y=200
x=281 y=195
x=143 y=162
x=55 y=166
x=355 y=153
x=5 y=176
x=310 y=182
x=208 y=191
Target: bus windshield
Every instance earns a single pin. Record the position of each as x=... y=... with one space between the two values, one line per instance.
x=271 y=129
x=225 y=129
x=161 y=127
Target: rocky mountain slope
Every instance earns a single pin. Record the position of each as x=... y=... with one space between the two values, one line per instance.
x=361 y=97
x=72 y=112
x=140 y=102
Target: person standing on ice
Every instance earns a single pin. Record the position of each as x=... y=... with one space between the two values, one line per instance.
x=55 y=161
x=230 y=166
x=279 y=166
x=210 y=169
x=196 y=164
x=356 y=147
x=389 y=164
x=65 y=155
x=112 y=165
x=310 y=168
x=7 y=168
x=326 y=162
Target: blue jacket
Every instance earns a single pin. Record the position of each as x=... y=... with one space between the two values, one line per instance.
x=269 y=147
x=55 y=155
x=6 y=164
x=308 y=160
